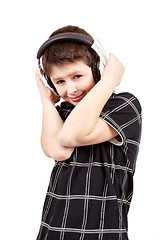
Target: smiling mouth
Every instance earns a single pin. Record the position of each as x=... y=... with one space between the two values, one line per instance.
x=77 y=99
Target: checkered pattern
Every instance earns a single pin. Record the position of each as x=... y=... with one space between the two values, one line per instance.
x=89 y=194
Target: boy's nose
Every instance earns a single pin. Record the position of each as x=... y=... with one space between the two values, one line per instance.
x=71 y=89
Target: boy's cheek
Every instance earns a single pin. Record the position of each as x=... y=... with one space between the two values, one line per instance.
x=60 y=92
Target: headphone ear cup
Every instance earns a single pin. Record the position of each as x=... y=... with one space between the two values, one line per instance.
x=96 y=69
x=50 y=83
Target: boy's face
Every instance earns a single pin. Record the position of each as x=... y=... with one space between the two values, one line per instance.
x=72 y=80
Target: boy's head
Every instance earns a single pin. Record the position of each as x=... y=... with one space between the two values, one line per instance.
x=62 y=59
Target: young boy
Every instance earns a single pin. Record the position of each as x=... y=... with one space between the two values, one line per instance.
x=94 y=137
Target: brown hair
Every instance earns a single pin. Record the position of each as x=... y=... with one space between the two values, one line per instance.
x=65 y=52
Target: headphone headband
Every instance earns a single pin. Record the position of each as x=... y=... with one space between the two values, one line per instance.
x=61 y=37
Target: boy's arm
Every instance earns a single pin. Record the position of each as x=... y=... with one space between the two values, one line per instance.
x=51 y=125
x=84 y=126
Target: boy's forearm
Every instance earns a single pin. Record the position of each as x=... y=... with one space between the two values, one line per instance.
x=51 y=126
x=52 y=122
x=84 y=117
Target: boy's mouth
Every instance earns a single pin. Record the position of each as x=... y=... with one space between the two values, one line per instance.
x=78 y=98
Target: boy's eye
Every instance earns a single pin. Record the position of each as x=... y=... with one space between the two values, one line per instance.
x=77 y=76
x=60 y=81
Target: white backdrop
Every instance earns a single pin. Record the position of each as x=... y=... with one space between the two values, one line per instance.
x=130 y=29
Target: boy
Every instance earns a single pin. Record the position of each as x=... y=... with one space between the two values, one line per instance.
x=94 y=137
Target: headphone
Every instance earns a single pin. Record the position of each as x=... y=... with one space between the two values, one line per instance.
x=79 y=38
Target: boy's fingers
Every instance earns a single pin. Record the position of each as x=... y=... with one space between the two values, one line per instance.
x=37 y=74
x=38 y=79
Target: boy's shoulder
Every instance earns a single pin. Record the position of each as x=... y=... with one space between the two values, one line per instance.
x=125 y=98
x=123 y=95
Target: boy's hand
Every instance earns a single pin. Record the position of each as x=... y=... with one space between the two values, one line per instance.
x=114 y=70
x=45 y=93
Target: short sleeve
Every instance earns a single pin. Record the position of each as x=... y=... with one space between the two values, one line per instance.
x=123 y=112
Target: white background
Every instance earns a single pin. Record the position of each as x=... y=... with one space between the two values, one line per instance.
x=130 y=29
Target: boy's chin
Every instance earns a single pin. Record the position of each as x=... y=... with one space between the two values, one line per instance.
x=73 y=103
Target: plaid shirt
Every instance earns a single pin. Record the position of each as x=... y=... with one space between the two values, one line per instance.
x=89 y=194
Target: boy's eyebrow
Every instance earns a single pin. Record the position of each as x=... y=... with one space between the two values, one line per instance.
x=56 y=79
x=69 y=75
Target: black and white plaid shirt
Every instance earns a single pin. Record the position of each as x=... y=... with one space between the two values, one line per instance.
x=89 y=194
